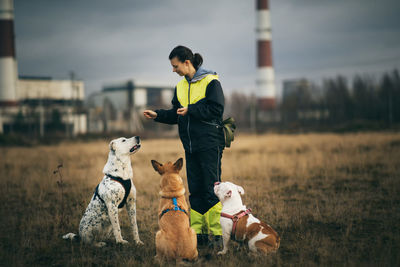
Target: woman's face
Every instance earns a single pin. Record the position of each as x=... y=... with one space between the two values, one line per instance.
x=181 y=68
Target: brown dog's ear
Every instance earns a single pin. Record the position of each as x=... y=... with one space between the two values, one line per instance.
x=157 y=166
x=178 y=164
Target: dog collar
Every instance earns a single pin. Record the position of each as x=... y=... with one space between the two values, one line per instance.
x=235 y=218
x=176 y=207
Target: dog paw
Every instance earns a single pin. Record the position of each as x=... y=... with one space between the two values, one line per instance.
x=221 y=252
x=69 y=236
x=122 y=242
x=139 y=242
x=100 y=244
x=157 y=258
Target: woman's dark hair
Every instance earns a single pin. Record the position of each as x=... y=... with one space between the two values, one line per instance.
x=183 y=53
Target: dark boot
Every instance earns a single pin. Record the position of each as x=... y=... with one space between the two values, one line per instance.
x=202 y=240
x=216 y=243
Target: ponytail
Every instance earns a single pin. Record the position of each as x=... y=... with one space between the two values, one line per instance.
x=183 y=53
x=197 y=61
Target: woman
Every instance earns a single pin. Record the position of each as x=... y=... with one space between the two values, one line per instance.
x=197 y=108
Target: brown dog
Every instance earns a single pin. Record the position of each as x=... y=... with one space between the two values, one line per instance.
x=175 y=240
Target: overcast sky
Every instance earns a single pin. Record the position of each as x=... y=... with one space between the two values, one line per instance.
x=108 y=41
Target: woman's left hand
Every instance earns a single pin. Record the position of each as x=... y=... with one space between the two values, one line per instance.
x=182 y=111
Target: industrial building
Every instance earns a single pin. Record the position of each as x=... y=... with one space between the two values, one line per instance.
x=119 y=107
x=42 y=105
x=35 y=105
x=38 y=106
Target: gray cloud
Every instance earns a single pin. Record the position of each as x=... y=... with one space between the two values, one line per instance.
x=335 y=34
x=105 y=41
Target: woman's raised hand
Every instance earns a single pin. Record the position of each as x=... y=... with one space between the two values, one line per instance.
x=150 y=114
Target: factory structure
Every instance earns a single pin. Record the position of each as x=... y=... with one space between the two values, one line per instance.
x=33 y=105
x=43 y=105
x=265 y=71
x=37 y=106
x=118 y=107
x=8 y=63
x=266 y=90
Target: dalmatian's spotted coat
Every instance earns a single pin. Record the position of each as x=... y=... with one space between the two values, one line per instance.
x=100 y=221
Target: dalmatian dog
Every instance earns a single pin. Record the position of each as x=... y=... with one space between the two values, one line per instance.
x=100 y=221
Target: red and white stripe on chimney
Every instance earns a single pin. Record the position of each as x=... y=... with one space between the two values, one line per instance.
x=266 y=92
x=8 y=63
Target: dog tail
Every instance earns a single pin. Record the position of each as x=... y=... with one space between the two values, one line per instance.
x=71 y=236
x=278 y=242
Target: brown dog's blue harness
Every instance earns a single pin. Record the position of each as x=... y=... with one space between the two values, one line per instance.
x=176 y=207
x=126 y=184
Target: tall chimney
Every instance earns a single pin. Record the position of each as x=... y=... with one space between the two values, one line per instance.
x=8 y=63
x=266 y=91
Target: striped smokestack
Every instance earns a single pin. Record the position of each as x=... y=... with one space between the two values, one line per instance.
x=8 y=64
x=265 y=72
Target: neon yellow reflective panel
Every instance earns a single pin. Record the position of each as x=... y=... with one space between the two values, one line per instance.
x=208 y=223
x=197 y=90
x=213 y=216
x=197 y=222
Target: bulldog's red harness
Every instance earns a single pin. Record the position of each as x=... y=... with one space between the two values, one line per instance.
x=235 y=218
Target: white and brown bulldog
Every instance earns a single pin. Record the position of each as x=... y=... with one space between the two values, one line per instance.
x=238 y=223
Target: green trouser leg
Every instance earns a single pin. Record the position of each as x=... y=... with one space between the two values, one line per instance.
x=207 y=223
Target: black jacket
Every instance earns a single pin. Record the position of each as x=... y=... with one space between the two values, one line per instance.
x=200 y=129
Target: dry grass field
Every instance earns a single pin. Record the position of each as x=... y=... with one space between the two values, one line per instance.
x=334 y=199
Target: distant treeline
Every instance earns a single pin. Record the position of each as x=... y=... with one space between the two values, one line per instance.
x=363 y=102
